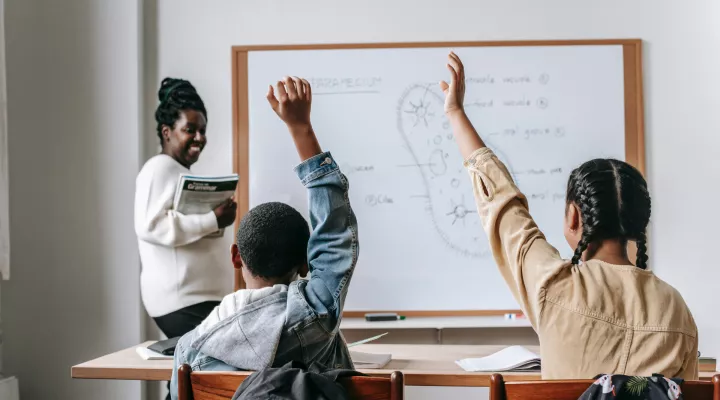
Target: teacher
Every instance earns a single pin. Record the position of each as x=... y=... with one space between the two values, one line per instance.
x=184 y=273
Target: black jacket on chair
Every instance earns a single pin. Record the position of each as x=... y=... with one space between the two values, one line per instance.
x=294 y=381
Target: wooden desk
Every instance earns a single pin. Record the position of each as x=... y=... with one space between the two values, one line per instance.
x=422 y=365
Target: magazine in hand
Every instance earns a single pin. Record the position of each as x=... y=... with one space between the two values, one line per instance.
x=201 y=194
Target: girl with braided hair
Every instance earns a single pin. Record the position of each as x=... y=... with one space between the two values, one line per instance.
x=600 y=312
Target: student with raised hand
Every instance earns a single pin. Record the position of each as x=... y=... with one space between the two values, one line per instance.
x=278 y=318
x=595 y=314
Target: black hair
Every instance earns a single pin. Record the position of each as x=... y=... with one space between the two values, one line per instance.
x=272 y=240
x=614 y=202
x=176 y=95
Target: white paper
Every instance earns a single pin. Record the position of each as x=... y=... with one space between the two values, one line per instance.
x=148 y=354
x=368 y=340
x=369 y=360
x=513 y=358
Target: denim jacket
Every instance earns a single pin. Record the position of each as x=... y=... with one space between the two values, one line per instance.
x=299 y=322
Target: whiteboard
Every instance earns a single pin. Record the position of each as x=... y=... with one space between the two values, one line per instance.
x=543 y=110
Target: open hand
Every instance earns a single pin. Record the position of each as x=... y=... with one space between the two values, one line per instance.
x=455 y=91
x=291 y=101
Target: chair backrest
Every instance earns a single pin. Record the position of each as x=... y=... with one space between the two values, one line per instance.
x=222 y=385
x=573 y=389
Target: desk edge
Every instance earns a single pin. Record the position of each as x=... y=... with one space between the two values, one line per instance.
x=83 y=372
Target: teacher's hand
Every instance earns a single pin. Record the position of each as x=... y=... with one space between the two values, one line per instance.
x=225 y=213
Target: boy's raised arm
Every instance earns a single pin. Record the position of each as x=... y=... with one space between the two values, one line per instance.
x=292 y=104
x=333 y=246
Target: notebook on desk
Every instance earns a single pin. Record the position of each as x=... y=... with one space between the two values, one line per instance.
x=510 y=359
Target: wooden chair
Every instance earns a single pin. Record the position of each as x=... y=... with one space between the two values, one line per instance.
x=208 y=385
x=573 y=389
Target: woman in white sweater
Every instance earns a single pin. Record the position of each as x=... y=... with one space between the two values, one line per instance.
x=184 y=274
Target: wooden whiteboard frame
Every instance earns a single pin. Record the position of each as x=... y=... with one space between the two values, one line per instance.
x=634 y=120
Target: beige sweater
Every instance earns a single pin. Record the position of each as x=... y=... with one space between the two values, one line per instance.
x=593 y=318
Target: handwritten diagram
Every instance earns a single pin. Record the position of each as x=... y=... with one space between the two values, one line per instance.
x=450 y=201
x=448 y=192
x=427 y=135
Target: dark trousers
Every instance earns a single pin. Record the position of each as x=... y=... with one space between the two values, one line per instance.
x=182 y=321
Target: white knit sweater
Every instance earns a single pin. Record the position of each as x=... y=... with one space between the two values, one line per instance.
x=180 y=267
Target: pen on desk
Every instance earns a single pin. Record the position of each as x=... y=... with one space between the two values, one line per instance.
x=374 y=317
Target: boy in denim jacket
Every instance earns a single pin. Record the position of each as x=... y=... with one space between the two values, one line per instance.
x=278 y=319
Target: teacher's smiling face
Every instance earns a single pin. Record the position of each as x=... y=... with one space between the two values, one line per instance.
x=185 y=140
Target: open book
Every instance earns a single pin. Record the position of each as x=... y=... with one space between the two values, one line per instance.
x=513 y=358
x=201 y=194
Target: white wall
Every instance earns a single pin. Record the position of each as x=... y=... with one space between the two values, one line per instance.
x=73 y=72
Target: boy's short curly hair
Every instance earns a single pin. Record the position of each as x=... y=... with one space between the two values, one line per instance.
x=272 y=240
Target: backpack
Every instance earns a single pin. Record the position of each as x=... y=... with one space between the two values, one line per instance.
x=623 y=387
x=294 y=381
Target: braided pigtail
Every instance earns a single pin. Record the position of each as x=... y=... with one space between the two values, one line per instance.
x=642 y=257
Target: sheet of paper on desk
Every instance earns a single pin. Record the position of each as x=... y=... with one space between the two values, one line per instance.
x=513 y=358
x=369 y=360
x=366 y=340
x=148 y=354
